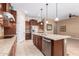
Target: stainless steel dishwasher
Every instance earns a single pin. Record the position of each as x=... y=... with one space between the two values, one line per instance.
x=46 y=47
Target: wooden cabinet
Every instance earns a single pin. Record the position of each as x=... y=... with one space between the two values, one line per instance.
x=40 y=43
x=27 y=30
x=37 y=40
x=28 y=36
x=34 y=40
x=27 y=27
x=56 y=48
x=53 y=47
x=41 y=25
x=9 y=27
x=33 y=22
x=5 y=7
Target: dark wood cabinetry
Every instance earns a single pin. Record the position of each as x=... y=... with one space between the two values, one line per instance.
x=28 y=36
x=56 y=47
x=34 y=39
x=5 y=7
x=33 y=22
x=37 y=40
x=41 y=25
x=9 y=26
x=27 y=30
x=28 y=26
x=40 y=43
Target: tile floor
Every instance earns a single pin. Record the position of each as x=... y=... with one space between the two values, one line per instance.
x=73 y=47
x=28 y=49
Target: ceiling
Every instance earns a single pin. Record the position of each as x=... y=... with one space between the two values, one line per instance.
x=33 y=9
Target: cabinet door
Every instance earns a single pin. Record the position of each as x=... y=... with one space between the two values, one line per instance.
x=37 y=42
x=40 y=43
x=34 y=39
x=28 y=36
x=5 y=6
x=58 y=48
x=33 y=22
x=41 y=26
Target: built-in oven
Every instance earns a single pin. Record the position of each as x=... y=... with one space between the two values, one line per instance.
x=46 y=46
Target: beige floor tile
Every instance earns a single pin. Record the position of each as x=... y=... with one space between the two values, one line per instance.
x=73 y=47
x=27 y=49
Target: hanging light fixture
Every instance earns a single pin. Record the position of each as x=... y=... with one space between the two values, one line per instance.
x=41 y=16
x=1 y=15
x=56 y=19
x=46 y=13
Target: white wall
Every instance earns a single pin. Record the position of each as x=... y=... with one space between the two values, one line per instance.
x=20 y=28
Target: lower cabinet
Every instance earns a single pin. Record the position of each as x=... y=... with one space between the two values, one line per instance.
x=57 y=47
x=34 y=40
x=53 y=47
x=49 y=47
x=28 y=36
x=37 y=40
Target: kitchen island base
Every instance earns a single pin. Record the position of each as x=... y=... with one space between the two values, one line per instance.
x=51 y=48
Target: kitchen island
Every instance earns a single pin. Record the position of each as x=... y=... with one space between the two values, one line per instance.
x=50 y=44
x=8 y=46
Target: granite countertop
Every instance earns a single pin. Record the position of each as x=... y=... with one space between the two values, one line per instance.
x=6 y=45
x=53 y=36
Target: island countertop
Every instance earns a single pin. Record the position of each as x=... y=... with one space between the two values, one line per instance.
x=6 y=45
x=52 y=36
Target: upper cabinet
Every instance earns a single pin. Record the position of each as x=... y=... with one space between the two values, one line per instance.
x=41 y=25
x=33 y=22
x=9 y=18
x=5 y=7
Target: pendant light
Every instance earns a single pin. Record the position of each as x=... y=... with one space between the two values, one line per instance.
x=46 y=13
x=41 y=16
x=1 y=16
x=56 y=19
